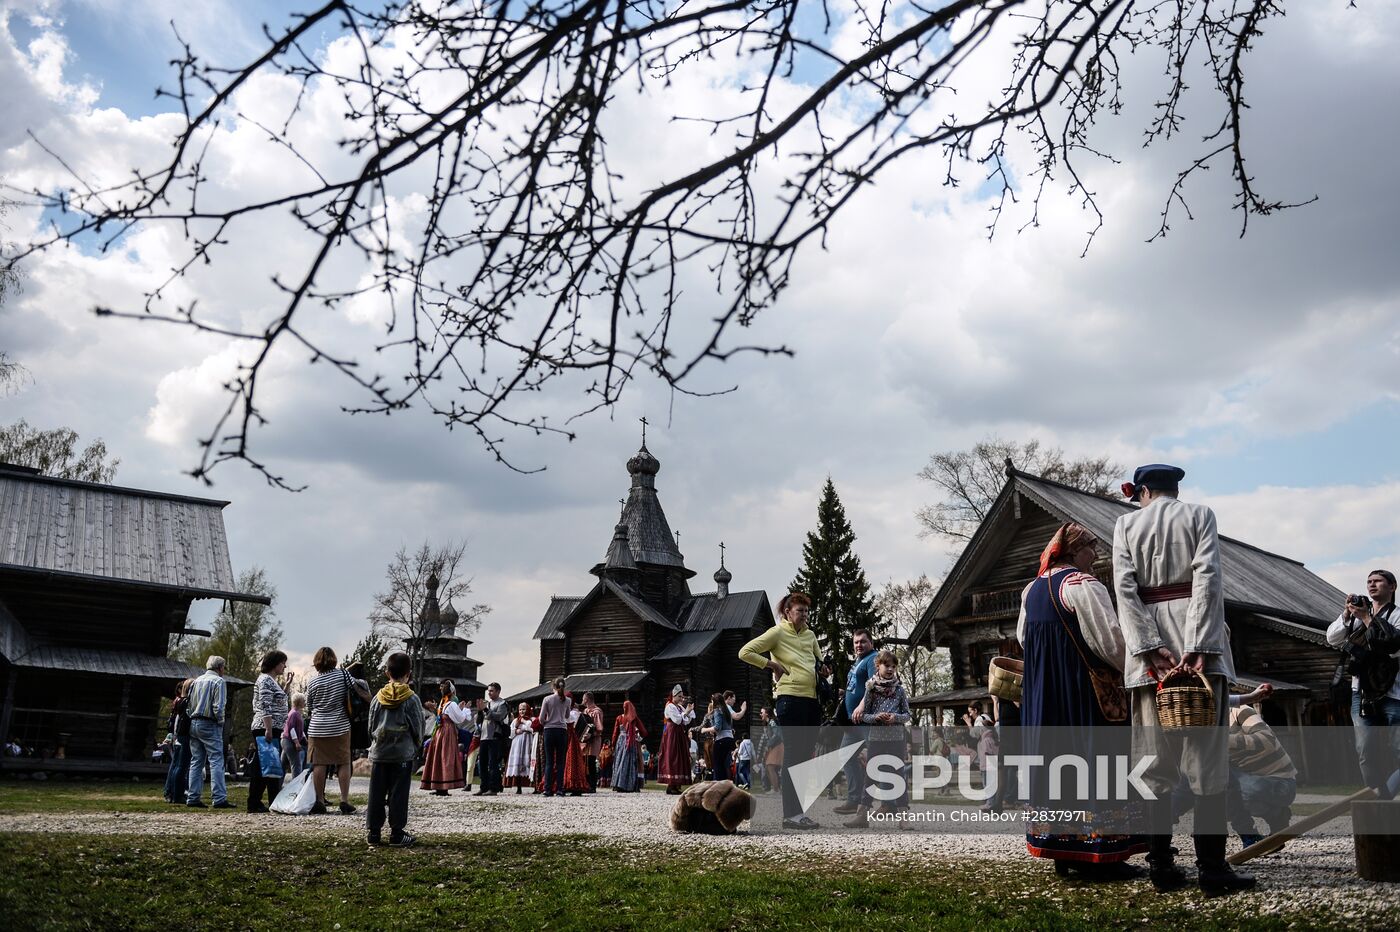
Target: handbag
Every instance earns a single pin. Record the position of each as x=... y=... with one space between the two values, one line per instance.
x=269 y=757
x=355 y=704
x=826 y=693
x=1109 y=691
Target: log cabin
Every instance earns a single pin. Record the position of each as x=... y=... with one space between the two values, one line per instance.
x=1278 y=612
x=94 y=581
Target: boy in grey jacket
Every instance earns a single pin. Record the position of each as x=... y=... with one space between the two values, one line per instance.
x=396 y=730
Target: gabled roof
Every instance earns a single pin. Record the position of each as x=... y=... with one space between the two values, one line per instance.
x=1255 y=580
x=129 y=537
x=552 y=625
x=707 y=612
x=687 y=644
x=563 y=609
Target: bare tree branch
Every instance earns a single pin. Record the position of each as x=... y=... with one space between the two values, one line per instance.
x=535 y=265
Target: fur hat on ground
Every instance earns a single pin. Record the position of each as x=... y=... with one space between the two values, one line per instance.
x=712 y=808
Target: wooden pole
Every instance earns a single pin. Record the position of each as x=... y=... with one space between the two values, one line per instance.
x=1277 y=840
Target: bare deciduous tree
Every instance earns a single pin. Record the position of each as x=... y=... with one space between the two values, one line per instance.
x=902 y=604
x=55 y=452
x=398 y=610
x=971 y=480
x=534 y=260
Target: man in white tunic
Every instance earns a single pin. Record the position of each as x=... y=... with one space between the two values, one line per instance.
x=1171 y=605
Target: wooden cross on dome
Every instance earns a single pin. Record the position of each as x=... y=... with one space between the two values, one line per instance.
x=644 y=421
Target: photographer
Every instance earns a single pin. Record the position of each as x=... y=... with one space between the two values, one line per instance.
x=1366 y=632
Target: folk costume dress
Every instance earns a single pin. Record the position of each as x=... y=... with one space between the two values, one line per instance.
x=575 y=768
x=1066 y=618
x=442 y=765
x=673 y=769
x=521 y=762
x=628 y=733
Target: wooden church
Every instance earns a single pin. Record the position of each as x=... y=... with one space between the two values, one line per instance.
x=640 y=630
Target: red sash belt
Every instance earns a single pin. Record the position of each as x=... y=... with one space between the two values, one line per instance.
x=1153 y=594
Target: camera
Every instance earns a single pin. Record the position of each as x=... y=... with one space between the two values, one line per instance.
x=1360 y=601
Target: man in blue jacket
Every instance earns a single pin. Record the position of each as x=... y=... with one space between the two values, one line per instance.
x=861 y=670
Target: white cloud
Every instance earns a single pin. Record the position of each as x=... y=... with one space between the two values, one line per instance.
x=913 y=334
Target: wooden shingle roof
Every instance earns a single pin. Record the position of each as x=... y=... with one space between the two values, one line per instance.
x=126 y=536
x=1255 y=580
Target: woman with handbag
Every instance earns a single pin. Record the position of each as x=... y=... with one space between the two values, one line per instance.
x=328 y=699
x=1073 y=703
x=269 y=718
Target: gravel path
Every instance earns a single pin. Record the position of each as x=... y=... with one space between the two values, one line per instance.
x=1311 y=872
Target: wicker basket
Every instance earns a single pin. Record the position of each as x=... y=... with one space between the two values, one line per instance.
x=1004 y=677
x=1184 y=700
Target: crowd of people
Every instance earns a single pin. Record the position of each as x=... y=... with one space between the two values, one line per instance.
x=1091 y=670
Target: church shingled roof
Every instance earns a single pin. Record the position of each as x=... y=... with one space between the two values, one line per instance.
x=648 y=533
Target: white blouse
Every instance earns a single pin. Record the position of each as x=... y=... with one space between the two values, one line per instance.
x=1086 y=597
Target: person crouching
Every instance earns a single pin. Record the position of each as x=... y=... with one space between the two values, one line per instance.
x=396 y=733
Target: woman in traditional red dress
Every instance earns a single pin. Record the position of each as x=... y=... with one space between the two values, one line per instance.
x=575 y=768
x=674 y=766
x=442 y=764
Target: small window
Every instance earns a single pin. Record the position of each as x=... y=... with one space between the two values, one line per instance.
x=600 y=661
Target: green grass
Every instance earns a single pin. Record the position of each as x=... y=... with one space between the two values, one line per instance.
x=279 y=881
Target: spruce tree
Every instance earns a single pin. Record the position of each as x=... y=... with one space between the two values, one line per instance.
x=832 y=575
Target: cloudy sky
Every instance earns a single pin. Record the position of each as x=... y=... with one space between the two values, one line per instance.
x=1268 y=366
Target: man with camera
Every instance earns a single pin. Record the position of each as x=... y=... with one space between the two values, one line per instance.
x=1367 y=632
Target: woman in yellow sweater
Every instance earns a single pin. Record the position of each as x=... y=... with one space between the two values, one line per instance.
x=794 y=657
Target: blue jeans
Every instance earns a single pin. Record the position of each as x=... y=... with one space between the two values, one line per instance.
x=744 y=775
x=1378 y=741
x=206 y=747
x=178 y=775
x=1269 y=798
x=853 y=768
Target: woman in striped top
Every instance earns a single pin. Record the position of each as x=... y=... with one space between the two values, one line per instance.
x=327 y=696
x=269 y=717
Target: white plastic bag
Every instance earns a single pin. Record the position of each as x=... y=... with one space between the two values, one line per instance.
x=298 y=796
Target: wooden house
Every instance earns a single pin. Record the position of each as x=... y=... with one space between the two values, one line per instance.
x=1278 y=612
x=639 y=630
x=94 y=579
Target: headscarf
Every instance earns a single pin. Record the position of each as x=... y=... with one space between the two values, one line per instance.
x=1069 y=538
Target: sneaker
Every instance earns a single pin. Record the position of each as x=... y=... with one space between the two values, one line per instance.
x=196 y=804
x=225 y=804
x=403 y=841
x=374 y=841
x=347 y=809
x=318 y=808
x=258 y=807
x=846 y=809
x=859 y=820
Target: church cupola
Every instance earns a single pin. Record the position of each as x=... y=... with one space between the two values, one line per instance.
x=618 y=565
x=432 y=615
x=722 y=576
